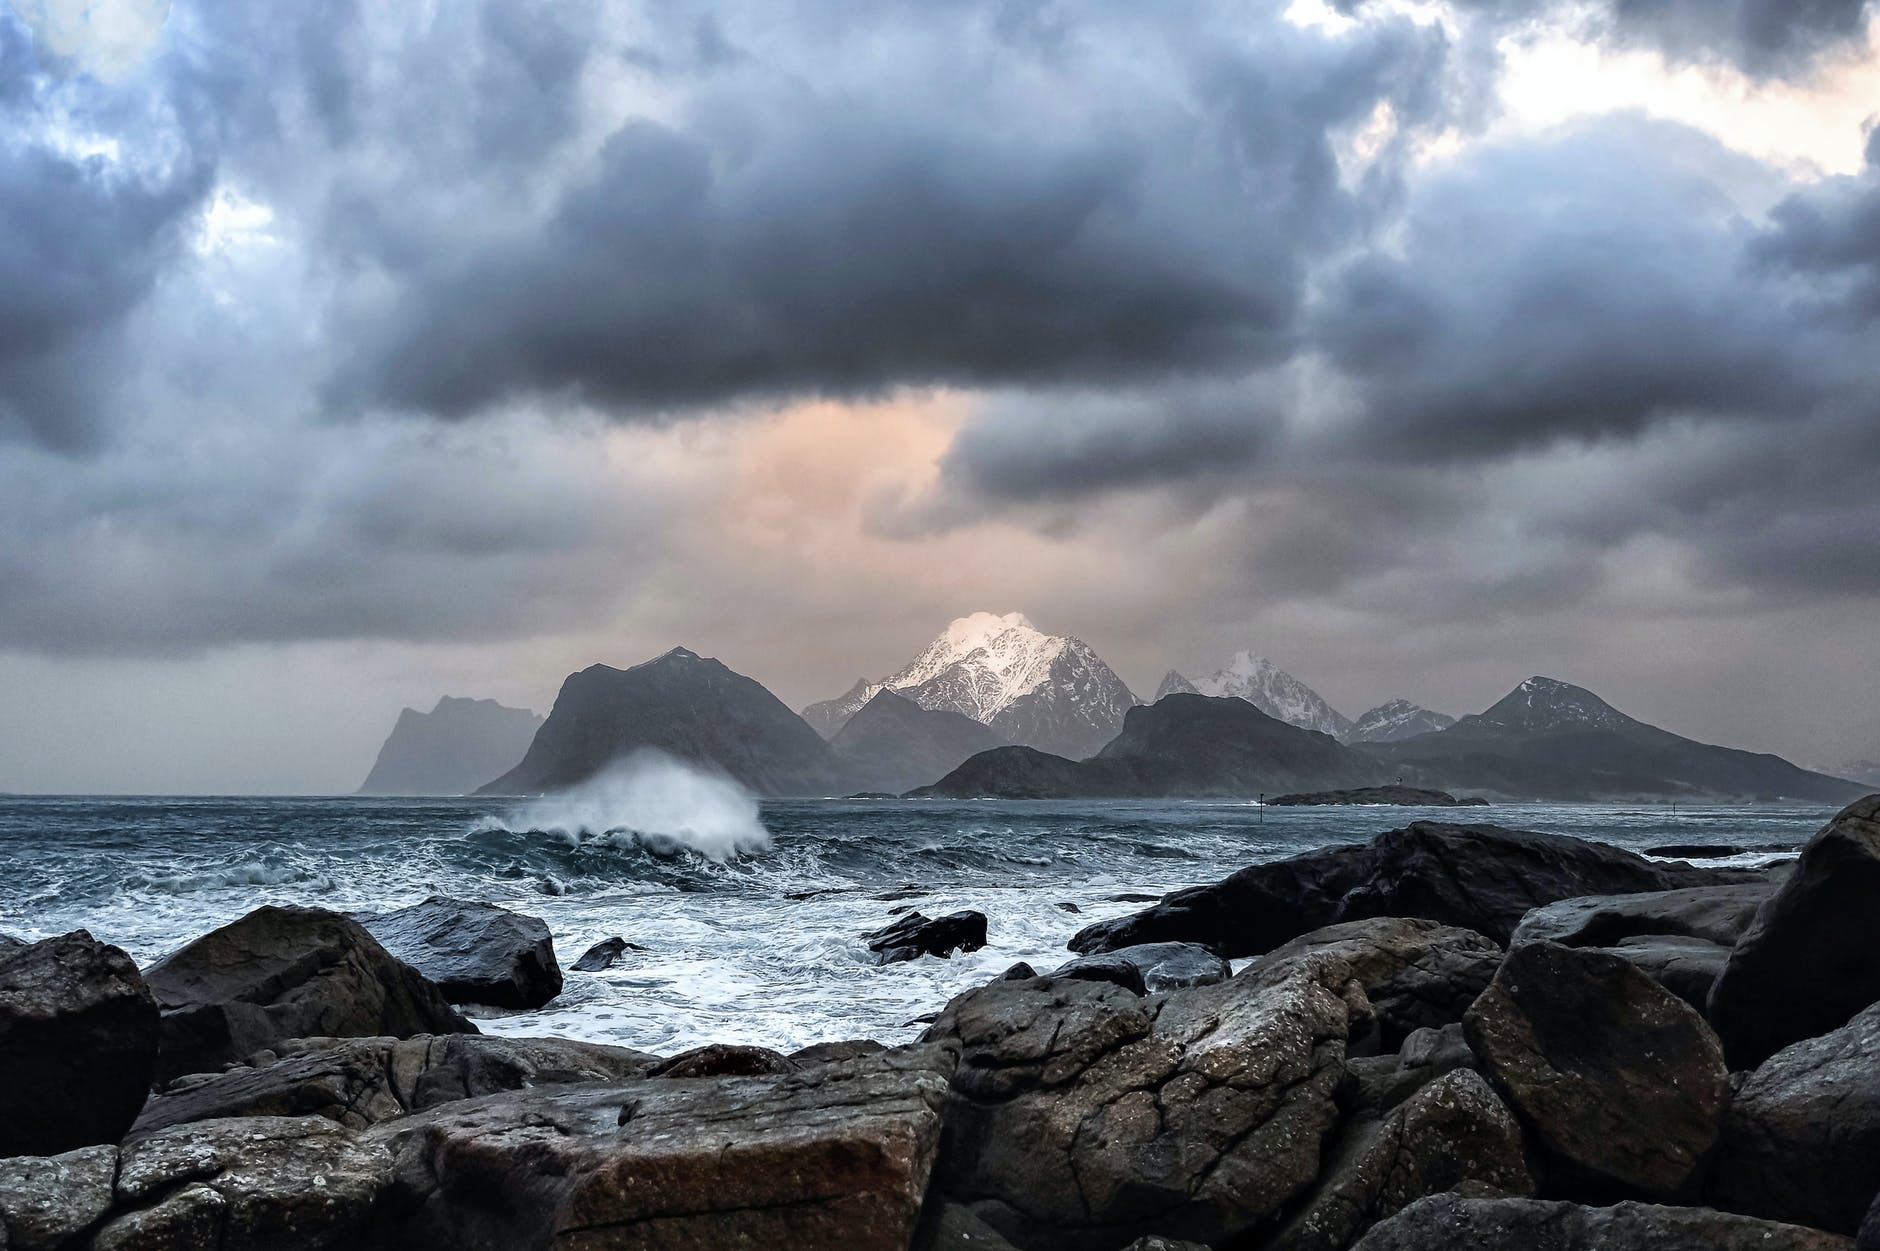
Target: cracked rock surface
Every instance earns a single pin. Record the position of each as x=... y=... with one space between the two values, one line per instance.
x=1452 y=1223
x=362 y=1081
x=1801 y=1141
x=1621 y=1082
x=1082 y=1114
x=835 y=1155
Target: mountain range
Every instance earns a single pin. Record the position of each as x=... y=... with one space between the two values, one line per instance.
x=452 y=749
x=994 y=706
x=1046 y=691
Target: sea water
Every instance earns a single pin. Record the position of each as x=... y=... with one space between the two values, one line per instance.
x=752 y=915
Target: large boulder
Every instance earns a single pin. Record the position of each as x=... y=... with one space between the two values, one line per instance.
x=1717 y=914
x=362 y=1081
x=78 y=1044
x=1808 y=961
x=1415 y=972
x=1479 y=877
x=912 y=936
x=46 y=1202
x=1621 y=1082
x=1083 y=1114
x=246 y=1184
x=1453 y=1223
x=1687 y=967
x=1449 y=1133
x=1151 y=967
x=281 y=973
x=1801 y=1141
x=474 y=952
x=836 y=1155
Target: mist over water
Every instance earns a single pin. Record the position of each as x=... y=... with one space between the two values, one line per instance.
x=752 y=913
x=652 y=801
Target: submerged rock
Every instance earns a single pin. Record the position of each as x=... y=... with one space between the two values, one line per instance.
x=1453 y=1223
x=836 y=1155
x=1620 y=1081
x=1479 y=877
x=475 y=952
x=1801 y=1141
x=1083 y=1114
x=912 y=936
x=1416 y=973
x=362 y=1081
x=604 y=955
x=285 y=973
x=1808 y=961
x=78 y=1044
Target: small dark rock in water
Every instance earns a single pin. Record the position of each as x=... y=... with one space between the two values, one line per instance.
x=475 y=952
x=724 y=1060
x=604 y=955
x=1134 y=897
x=78 y=1044
x=1446 y=1221
x=1714 y=851
x=900 y=892
x=1808 y=962
x=1619 y=1081
x=1069 y=907
x=281 y=973
x=1407 y=796
x=915 y=935
x=1018 y=973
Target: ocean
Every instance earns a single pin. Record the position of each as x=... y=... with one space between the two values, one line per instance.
x=752 y=915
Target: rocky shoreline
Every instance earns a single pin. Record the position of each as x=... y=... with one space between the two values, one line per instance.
x=1454 y=1036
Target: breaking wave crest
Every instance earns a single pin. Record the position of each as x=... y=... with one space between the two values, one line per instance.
x=651 y=801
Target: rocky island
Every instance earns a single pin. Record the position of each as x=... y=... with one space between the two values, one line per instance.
x=1401 y=796
x=1448 y=1036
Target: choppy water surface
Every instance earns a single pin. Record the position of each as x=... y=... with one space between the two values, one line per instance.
x=762 y=946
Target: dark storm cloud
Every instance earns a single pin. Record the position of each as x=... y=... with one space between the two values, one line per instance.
x=825 y=244
x=1764 y=38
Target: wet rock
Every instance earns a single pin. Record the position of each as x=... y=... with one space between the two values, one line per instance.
x=1621 y=1082
x=955 y=1227
x=285 y=973
x=914 y=936
x=1714 y=851
x=604 y=955
x=1801 y=1141
x=1717 y=914
x=835 y=1156
x=1083 y=1114
x=1808 y=961
x=247 y=1184
x=1155 y=1242
x=1451 y=1132
x=1376 y=1084
x=1415 y=972
x=1687 y=967
x=78 y=1044
x=846 y=1049
x=1453 y=1223
x=1479 y=877
x=723 y=1060
x=474 y=952
x=1111 y=967
x=47 y=1201
x=362 y=1081
x=1018 y=972
x=1869 y=1237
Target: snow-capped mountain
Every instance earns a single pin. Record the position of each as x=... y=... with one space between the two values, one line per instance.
x=1540 y=705
x=1041 y=690
x=1395 y=719
x=1267 y=687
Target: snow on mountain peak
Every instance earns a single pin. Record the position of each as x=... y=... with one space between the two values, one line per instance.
x=1275 y=692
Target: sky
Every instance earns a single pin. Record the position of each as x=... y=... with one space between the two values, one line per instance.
x=352 y=355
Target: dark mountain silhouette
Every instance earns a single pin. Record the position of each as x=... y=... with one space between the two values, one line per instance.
x=1187 y=746
x=687 y=706
x=894 y=744
x=1548 y=739
x=452 y=749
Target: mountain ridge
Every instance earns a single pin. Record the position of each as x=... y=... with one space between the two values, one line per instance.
x=452 y=749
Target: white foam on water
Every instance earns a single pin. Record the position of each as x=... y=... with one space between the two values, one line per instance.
x=654 y=801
